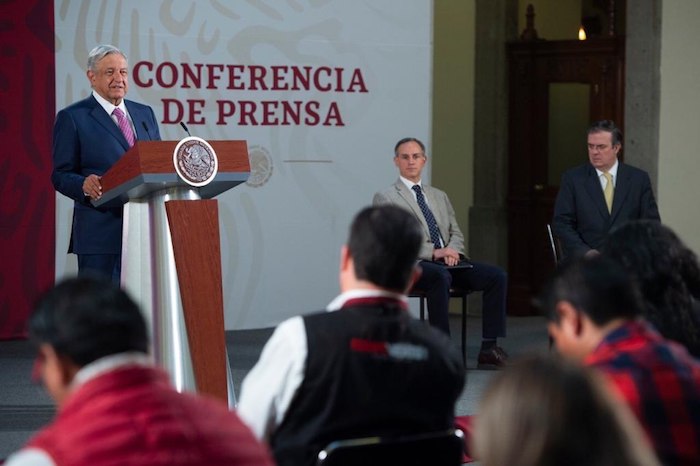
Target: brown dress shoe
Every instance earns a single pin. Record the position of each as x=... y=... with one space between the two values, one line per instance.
x=493 y=358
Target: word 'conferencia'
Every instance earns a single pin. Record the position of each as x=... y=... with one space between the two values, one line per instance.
x=251 y=78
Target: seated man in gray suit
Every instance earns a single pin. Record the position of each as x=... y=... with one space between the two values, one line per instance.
x=442 y=249
x=600 y=195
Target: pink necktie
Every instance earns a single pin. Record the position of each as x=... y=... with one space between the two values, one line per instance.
x=125 y=126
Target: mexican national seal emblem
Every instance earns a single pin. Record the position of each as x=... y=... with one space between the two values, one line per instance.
x=195 y=161
x=260 y=166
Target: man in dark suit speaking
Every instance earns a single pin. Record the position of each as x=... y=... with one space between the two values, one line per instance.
x=600 y=195
x=89 y=137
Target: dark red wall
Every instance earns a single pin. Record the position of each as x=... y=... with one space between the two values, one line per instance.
x=27 y=198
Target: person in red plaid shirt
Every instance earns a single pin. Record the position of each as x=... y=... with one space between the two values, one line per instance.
x=594 y=311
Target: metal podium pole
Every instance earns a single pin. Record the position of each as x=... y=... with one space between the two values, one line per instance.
x=170 y=341
x=170 y=345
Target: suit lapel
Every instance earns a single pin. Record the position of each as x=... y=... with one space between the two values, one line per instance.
x=622 y=189
x=407 y=196
x=139 y=122
x=437 y=208
x=99 y=114
x=592 y=184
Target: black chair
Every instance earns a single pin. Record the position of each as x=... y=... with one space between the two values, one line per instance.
x=454 y=293
x=444 y=448
x=554 y=246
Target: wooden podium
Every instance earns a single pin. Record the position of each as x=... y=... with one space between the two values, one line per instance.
x=171 y=258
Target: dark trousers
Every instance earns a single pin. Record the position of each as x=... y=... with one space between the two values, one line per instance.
x=437 y=279
x=108 y=266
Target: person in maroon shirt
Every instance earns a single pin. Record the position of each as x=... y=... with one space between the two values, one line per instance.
x=114 y=406
x=594 y=311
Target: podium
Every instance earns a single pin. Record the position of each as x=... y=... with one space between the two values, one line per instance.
x=171 y=258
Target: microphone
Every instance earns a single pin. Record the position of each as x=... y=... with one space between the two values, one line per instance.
x=145 y=127
x=182 y=123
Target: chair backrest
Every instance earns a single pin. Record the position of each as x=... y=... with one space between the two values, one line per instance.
x=444 y=448
x=554 y=245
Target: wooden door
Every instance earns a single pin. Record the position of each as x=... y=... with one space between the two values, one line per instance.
x=557 y=88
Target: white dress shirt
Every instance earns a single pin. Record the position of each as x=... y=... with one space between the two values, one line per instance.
x=612 y=171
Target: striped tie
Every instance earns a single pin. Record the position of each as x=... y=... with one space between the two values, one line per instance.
x=125 y=126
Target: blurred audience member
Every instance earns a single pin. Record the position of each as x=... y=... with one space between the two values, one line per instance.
x=668 y=274
x=114 y=407
x=594 y=310
x=362 y=367
x=547 y=411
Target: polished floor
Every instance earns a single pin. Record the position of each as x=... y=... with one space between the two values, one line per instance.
x=25 y=406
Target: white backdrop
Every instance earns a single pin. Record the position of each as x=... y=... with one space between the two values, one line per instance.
x=281 y=232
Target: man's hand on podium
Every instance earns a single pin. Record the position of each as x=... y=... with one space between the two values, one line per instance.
x=92 y=187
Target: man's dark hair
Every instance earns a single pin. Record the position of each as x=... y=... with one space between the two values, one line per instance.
x=384 y=243
x=596 y=286
x=607 y=126
x=87 y=318
x=405 y=140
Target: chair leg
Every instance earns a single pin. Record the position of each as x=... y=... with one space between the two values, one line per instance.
x=464 y=329
x=422 y=308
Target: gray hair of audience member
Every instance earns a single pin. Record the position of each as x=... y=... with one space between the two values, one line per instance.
x=384 y=243
x=607 y=126
x=544 y=411
x=668 y=275
x=86 y=319
x=101 y=51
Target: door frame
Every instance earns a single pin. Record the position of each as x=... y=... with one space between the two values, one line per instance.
x=532 y=67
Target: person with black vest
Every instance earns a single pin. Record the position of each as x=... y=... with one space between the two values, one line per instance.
x=363 y=367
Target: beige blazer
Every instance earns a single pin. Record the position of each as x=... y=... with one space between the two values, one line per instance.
x=398 y=194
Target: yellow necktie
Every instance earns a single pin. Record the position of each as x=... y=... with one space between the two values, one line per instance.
x=608 y=191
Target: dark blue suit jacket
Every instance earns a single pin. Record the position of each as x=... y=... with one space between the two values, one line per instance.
x=581 y=219
x=87 y=141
